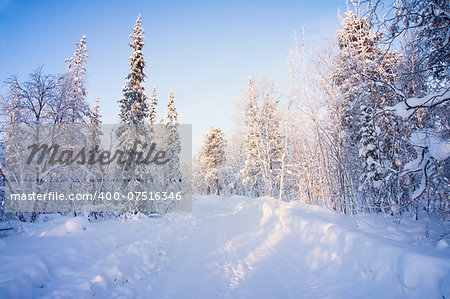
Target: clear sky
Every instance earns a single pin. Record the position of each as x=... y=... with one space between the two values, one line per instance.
x=204 y=50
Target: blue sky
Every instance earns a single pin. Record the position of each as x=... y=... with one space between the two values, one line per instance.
x=204 y=50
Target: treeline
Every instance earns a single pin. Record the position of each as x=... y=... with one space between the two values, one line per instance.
x=362 y=127
x=59 y=101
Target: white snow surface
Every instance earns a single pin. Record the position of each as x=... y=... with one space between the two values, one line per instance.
x=228 y=247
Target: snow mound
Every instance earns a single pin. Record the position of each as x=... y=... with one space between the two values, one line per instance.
x=76 y=225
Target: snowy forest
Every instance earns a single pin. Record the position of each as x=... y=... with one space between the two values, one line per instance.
x=53 y=110
x=363 y=126
x=332 y=183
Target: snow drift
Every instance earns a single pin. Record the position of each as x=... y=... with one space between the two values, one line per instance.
x=228 y=248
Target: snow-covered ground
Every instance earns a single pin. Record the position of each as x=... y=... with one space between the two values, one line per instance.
x=228 y=248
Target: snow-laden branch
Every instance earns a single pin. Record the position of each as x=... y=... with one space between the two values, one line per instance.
x=408 y=106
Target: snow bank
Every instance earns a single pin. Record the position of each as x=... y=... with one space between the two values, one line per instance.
x=395 y=261
x=72 y=258
x=228 y=248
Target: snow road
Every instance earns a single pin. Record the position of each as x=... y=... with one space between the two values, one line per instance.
x=226 y=248
x=263 y=249
x=243 y=254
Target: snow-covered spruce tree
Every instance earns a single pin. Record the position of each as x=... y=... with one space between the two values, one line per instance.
x=172 y=114
x=133 y=105
x=153 y=101
x=69 y=106
x=360 y=64
x=173 y=143
x=154 y=183
x=171 y=171
x=97 y=171
x=74 y=103
x=94 y=129
x=96 y=116
x=133 y=134
x=212 y=158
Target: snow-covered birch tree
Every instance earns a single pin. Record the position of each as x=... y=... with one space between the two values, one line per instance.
x=263 y=140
